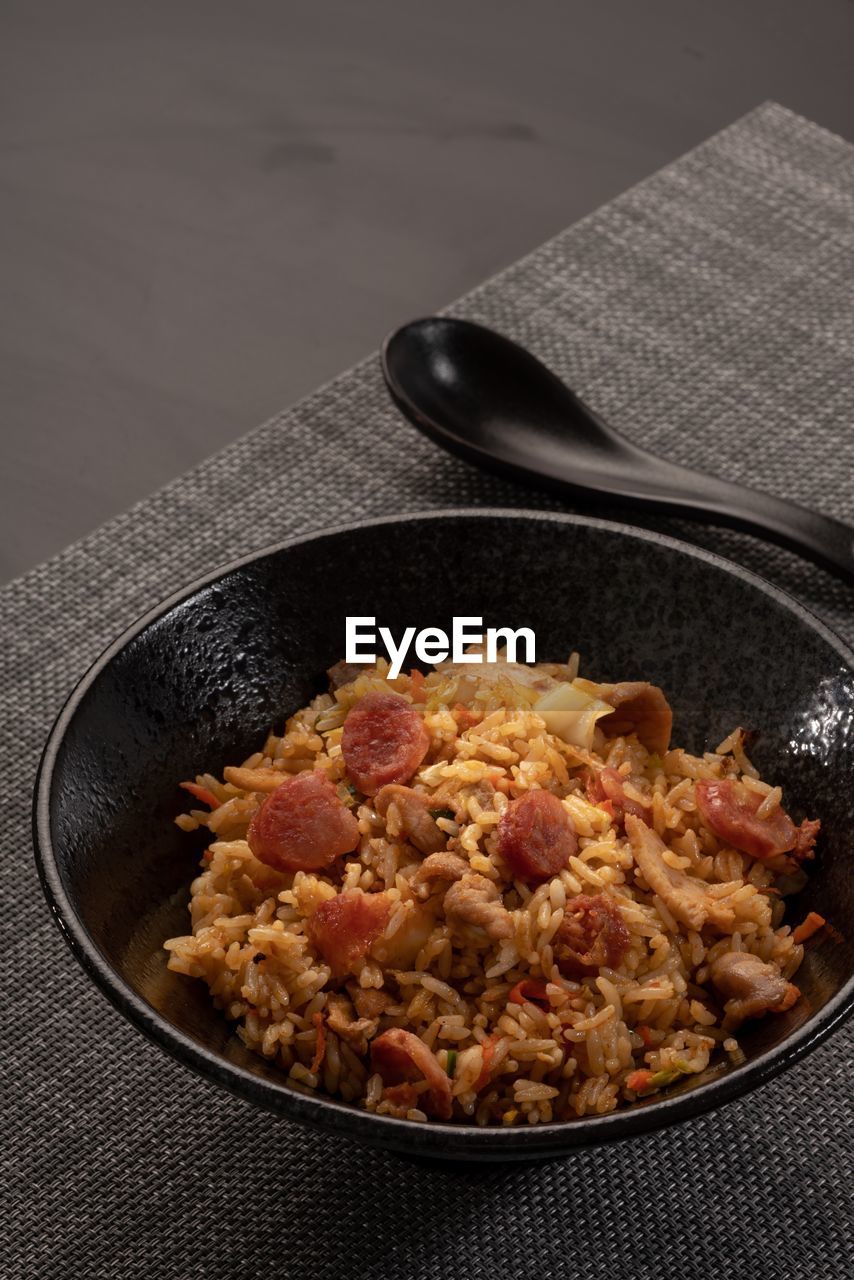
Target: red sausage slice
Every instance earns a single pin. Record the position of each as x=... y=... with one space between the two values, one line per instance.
x=384 y=740
x=606 y=786
x=344 y=928
x=729 y=809
x=303 y=825
x=400 y=1057
x=536 y=837
x=591 y=934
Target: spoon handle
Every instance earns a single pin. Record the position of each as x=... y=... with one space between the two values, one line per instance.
x=820 y=538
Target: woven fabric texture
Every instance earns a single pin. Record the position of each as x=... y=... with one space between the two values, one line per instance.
x=708 y=312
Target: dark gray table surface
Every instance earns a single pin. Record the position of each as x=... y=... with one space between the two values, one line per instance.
x=208 y=208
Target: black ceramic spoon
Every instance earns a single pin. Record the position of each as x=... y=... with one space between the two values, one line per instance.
x=489 y=400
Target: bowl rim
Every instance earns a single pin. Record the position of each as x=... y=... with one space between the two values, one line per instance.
x=458 y=1141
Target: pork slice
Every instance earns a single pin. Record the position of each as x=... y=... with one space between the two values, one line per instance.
x=415 y=820
x=475 y=902
x=751 y=987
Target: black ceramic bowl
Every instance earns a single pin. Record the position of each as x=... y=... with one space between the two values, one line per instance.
x=198 y=682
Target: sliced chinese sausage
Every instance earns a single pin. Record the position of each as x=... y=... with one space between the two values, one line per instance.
x=729 y=808
x=639 y=708
x=400 y=1057
x=607 y=785
x=344 y=928
x=751 y=987
x=536 y=836
x=303 y=825
x=592 y=935
x=384 y=740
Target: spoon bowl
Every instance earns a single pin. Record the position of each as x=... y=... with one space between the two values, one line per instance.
x=487 y=399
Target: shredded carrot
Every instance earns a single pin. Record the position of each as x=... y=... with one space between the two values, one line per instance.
x=810 y=925
x=320 y=1050
x=639 y=1081
x=645 y=1034
x=529 y=989
x=201 y=793
x=464 y=715
x=792 y=996
x=488 y=1047
x=416 y=678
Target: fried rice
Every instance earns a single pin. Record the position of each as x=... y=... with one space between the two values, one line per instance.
x=519 y=1036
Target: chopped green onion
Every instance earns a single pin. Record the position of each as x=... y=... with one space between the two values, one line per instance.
x=451 y=1064
x=442 y=813
x=662 y=1078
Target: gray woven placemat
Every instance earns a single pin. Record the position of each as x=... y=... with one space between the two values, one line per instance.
x=710 y=313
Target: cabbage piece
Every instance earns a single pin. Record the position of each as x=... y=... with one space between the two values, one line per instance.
x=489 y=673
x=571 y=713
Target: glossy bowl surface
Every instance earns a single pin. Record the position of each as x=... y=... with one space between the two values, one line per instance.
x=198 y=682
